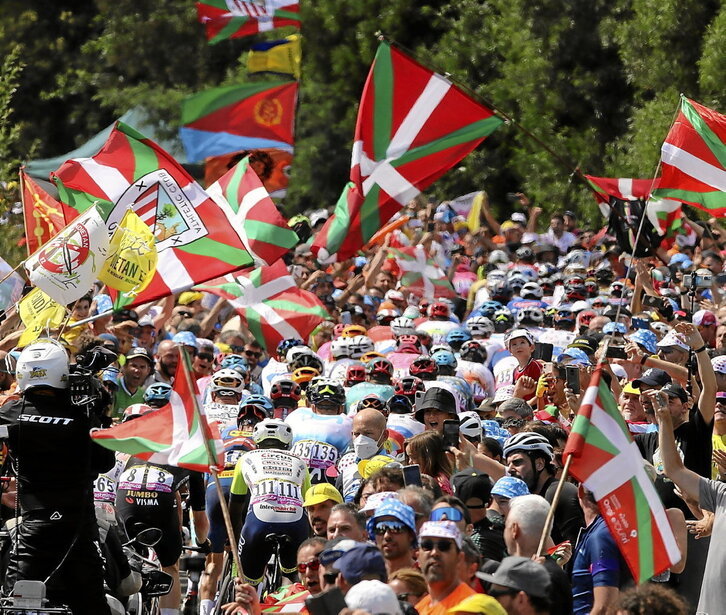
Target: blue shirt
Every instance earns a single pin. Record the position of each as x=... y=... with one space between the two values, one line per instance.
x=598 y=563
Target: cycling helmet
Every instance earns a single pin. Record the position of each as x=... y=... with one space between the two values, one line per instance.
x=306 y=360
x=437 y=347
x=503 y=320
x=498 y=257
x=402 y=326
x=261 y=401
x=234 y=361
x=249 y=415
x=525 y=253
x=359 y=345
x=549 y=316
x=43 y=363
x=473 y=351
x=285 y=393
x=424 y=338
x=439 y=309
x=355 y=373
x=339 y=348
x=585 y=317
x=385 y=316
x=424 y=367
x=445 y=359
x=271 y=432
x=400 y=404
x=456 y=337
x=591 y=287
x=547 y=285
x=296 y=351
x=285 y=345
x=488 y=308
x=303 y=375
x=564 y=316
x=227 y=380
x=545 y=270
x=408 y=385
x=369 y=356
x=617 y=288
x=328 y=390
x=354 y=331
x=575 y=292
x=530 y=315
x=157 y=394
x=380 y=366
x=531 y=290
x=599 y=302
x=501 y=292
x=372 y=400
x=529 y=442
x=480 y=326
x=134 y=411
x=516 y=282
x=408 y=343
x=512 y=335
x=470 y=425
x=604 y=273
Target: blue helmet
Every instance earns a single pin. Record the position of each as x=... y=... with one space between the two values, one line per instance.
x=285 y=345
x=236 y=362
x=260 y=401
x=456 y=337
x=157 y=394
x=489 y=307
x=444 y=358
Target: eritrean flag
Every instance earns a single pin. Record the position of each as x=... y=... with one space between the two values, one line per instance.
x=413 y=125
x=196 y=238
x=693 y=159
x=225 y=19
x=239 y=117
x=607 y=461
x=172 y=435
x=270 y=303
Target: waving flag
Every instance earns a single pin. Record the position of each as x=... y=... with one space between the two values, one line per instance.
x=693 y=159
x=420 y=274
x=172 y=435
x=413 y=126
x=275 y=183
x=279 y=57
x=196 y=239
x=622 y=188
x=238 y=18
x=607 y=461
x=39 y=313
x=264 y=231
x=43 y=215
x=67 y=266
x=238 y=117
x=270 y=303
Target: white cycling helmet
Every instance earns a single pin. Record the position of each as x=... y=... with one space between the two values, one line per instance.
x=359 y=345
x=530 y=315
x=480 y=325
x=403 y=326
x=498 y=257
x=528 y=441
x=44 y=363
x=272 y=430
x=437 y=347
x=531 y=290
x=470 y=424
x=339 y=348
x=134 y=411
x=295 y=351
x=227 y=380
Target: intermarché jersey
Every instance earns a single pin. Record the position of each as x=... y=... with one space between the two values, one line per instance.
x=276 y=481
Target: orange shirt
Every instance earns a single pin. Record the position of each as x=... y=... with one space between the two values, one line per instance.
x=424 y=606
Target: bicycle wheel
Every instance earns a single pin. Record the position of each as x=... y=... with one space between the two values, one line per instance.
x=226 y=592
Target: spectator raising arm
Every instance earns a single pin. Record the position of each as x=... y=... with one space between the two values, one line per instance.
x=707 y=399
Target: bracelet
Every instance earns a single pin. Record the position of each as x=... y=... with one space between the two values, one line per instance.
x=701 y=349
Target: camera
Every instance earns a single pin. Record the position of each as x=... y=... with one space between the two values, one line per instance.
x=85 y=389
x=697 y=280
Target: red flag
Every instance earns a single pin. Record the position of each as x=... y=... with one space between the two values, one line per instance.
x=42 y=213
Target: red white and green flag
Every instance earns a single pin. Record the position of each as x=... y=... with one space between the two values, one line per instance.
x=177 y=434
x=270 y=303
x=693 y=159
x=225 y=19
x=420 y=274
x=196 y=238
x=413 y=125
x=264 y=231
x=607 y=461
x=666 y=215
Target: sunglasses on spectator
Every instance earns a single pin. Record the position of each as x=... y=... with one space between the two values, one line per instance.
x=403 y=597
x=252 y=353
x=206 y=356
x=185 y=314
x=441 y=545
x=313 y=564
x=451 y=513
x=237 y=349
x=389 y=526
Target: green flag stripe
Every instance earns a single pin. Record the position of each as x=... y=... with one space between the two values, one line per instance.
x=383 y=101
x=292 y=306
x=81 y=201
x=270 y=233
x=254 y=324
x=229 y=29
x=592 y=435
x=341 y=221
x=209 y=247
x=710 y=200
x=283 y=14
x=645 y=532
x=370 y=221
x=145 y=158
x=207 y=102
x=133 y=445
x=472 y=132
x=231 y=194
x=256 y=276
x=717 y=147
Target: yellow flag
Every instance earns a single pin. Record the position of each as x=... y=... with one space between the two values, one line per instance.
x=38 y=313
x=281 y=56
x=131 y=261
x=473 y=220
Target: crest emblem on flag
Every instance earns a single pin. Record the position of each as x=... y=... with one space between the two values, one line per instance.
x=68 y=254
x=268 y=112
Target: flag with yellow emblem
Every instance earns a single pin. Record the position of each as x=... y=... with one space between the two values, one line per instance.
x=42 y=213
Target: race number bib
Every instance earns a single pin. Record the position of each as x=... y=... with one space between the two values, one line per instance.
x=315 y=454
x=225 y=414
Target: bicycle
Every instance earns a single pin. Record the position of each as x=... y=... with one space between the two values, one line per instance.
x=273 y=575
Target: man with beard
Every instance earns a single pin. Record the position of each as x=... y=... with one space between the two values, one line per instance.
x=319 y=502
x=134 y=373
x=167 y=357
x=439 y=558
x=393 y=527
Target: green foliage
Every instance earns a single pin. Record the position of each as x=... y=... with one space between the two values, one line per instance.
x=598 y=82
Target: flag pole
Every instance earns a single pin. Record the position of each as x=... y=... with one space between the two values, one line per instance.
x=21 y=174
x=212 y=461
x=553 y=506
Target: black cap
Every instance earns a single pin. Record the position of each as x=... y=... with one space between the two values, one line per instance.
x=673 y=389
x=652 y=377
x=138 y=351
x=439 y=398
x=471 y=483
x=522 y=574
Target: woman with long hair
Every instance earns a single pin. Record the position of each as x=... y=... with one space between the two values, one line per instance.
x=428 y=450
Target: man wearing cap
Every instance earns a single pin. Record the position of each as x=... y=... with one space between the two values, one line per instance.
x=363 y=562
x=521 y=586
x=438 y=404
x=439 y=559
x=719 y=367
x=373 y=597
x=478 y=604
x=474 y=488
x=167 y=358
x=632 y=410
x=134 y=374
x=393 y=528
x=319 y=501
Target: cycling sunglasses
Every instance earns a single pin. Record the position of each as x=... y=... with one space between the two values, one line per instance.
x=389 y=526
x=451 y=514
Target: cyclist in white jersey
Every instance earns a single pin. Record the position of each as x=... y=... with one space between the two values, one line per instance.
x=270 y=483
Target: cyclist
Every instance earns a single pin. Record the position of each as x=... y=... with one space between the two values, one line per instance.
x=157 y=394
x=379 y=380
x=226 y=389
x=285 y=395
x=270 y=483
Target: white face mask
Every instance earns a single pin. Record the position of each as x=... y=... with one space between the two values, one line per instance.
x=365 y=447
